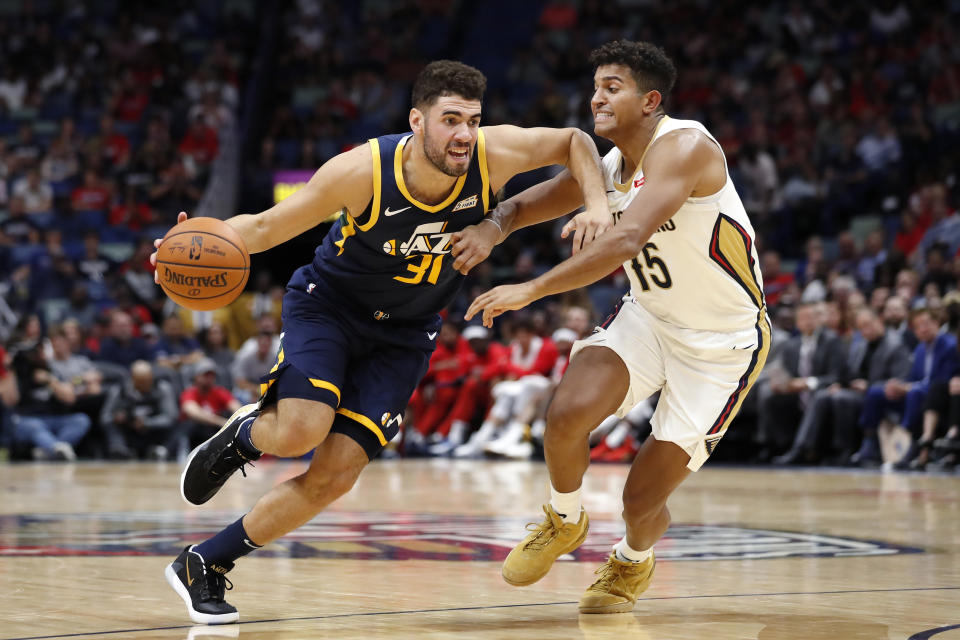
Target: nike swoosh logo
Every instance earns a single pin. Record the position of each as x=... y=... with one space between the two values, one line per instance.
x=394 y=212
x=189 y=579
x=431 y=335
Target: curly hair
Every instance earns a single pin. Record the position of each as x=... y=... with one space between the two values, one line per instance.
x=447 y=78
x=651 y=68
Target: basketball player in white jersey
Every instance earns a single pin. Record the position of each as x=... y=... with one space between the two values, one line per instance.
x=694 y=325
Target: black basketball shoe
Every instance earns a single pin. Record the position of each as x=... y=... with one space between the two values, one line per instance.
x=201 y=587
x=210 y=464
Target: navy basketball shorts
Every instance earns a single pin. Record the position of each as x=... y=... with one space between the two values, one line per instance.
x=364 y=369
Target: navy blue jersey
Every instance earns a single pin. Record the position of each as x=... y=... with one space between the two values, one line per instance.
x=393 y=260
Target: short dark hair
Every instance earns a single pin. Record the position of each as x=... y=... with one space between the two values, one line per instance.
x=447 y=78
x=651 y=68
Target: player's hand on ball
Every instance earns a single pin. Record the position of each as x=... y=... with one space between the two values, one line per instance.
x=181 y=217
x=588 y=226
x=499 y=299
x=471 y=246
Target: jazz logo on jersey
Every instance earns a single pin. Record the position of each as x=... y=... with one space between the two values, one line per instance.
x=386 y=420
x=424 y=251
x=466 y=203
x=426 y=238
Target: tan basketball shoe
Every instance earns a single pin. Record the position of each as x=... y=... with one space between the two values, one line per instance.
x=619 y=585
x=532 y=558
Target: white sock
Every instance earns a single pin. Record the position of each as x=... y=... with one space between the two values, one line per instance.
x=566 y=504
x=627 y=554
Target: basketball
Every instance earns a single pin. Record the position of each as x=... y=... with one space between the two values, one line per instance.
x=203 y=264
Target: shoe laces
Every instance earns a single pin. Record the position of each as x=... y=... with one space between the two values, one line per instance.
x=613 y=575
x=546 y=531
x=214 y=586
x=230 y=461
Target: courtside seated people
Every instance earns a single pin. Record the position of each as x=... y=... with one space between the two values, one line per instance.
x=360 y=321
x=695 y=326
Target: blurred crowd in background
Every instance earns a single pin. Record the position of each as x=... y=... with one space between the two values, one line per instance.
x=840 y=123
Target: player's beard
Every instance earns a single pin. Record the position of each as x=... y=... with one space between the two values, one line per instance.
x=437 y=154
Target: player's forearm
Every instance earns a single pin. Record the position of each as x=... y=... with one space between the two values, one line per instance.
x=598 y=260
x=584 y=165
x=542 y=202
x=285 y=220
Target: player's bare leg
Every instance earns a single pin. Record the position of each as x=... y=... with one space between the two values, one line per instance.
x=657 y=471
x=592 y=388
x=335 y=467
x=290 y=428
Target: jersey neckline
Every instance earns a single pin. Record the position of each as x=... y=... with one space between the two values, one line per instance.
x=625 y=187
x=401 y=185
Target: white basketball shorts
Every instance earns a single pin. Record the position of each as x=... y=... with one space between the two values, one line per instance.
x=704 y=375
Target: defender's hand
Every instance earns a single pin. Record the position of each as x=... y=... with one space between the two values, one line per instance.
x=500 y=299
x=588 y=225
x=472 y=245
x=181 y=217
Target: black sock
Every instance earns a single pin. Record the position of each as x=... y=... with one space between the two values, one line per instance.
x=244 y=439
x=228 y=545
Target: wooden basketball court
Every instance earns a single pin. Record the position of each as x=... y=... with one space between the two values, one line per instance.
x=414 y=551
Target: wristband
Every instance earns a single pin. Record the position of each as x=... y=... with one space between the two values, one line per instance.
x=494 y=222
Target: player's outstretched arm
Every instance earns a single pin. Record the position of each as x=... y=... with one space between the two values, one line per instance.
x=673 y=169
x=512 y=150
x=343 y=182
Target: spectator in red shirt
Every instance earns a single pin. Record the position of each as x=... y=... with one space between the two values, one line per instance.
x=532 y=359
x=130 y=99
x=115 y=146
x=200 y=142
x=92 y=195
x=529 y=353
x=488 y=363
x=775 y=281
x=129 y=212
x=204 y=405
x=438 y=391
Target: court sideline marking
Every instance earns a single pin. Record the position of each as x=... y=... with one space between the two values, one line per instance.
x=495 y=606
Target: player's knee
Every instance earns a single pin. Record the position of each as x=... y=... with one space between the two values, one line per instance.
x=296 y=435
x=328 y=483
x=638 y=509
x=570 y=415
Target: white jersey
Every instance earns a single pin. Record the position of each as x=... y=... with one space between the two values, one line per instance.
x=699 y=270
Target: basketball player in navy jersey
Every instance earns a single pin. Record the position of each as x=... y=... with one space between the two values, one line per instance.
x=361 y=321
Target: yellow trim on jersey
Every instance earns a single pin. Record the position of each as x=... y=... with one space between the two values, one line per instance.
x=329 y=386
x=375 y=206
x=484 y=173
x=761 y=358
x=731 y=246
x=266 y=385
x=398 y=176
x=625 y=187
x=365 y=421
x=346 y=229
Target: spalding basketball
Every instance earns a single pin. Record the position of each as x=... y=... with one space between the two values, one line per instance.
x=203 y=264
